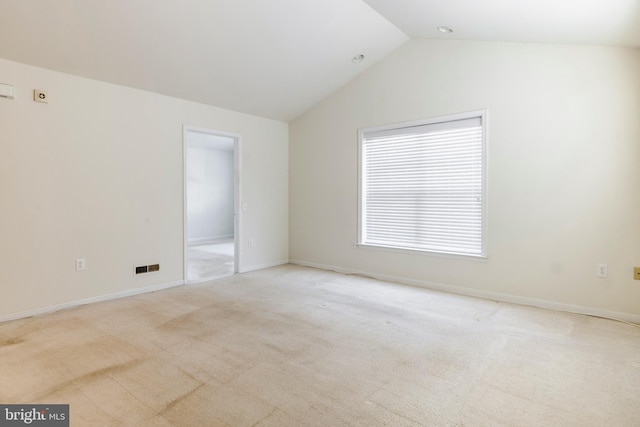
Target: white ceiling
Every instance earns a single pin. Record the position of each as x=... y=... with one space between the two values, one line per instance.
x=277 y=58
x=591 y=22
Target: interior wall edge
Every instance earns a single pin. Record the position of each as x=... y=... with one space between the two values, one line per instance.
x=250 y=268
x=102 y=298
x=206 y=239
x=479 y=293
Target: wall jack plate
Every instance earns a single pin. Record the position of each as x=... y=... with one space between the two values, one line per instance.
x=40 y=96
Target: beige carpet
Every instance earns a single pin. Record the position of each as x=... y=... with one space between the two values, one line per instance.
x=292 y=346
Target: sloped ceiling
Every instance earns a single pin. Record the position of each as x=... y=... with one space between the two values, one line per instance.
x=276 y=58
x=271 y=58
x=590 y=22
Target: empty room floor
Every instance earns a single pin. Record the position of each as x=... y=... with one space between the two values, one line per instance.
x=210 y=260
x=294 y=346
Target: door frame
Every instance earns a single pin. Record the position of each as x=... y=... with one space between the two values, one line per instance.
x=237 y=220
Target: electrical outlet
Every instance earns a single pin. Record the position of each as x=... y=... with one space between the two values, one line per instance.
x=252 y=243
x=80 y=264
x=603 y=271
x=636 y=273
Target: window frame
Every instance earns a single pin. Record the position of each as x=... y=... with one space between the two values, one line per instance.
x=483 y=115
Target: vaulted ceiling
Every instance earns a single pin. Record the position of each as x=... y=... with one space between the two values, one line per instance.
x=277 y=58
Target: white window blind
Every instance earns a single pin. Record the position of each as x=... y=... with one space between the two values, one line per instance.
x=422 y=186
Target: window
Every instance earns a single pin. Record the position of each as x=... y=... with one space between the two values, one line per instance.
x=422 y=185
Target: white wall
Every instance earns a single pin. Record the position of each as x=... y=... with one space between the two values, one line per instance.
x=564 y=147
x=209 y=194
x=98 y=173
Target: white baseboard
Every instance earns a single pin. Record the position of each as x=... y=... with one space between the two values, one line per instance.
x=263 y=266
x=209 y=239
x=72 y=304
x=496 y=296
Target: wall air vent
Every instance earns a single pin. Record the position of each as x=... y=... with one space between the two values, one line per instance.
x=143 y=269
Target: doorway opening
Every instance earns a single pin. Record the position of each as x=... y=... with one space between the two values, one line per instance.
x=212 y=191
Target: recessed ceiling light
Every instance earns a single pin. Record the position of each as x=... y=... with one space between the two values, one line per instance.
x=357 y=58
x=445 y=29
